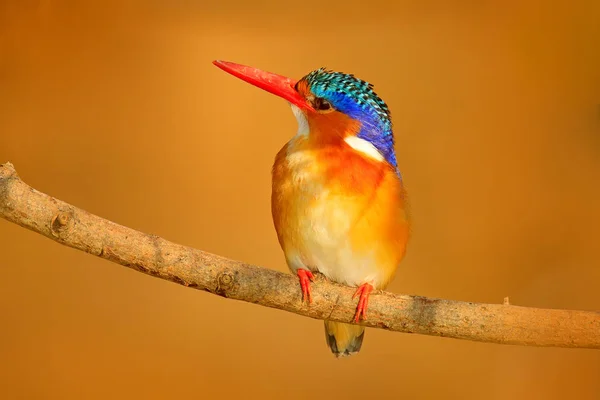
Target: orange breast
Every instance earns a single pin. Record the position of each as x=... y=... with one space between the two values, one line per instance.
x=338 y=212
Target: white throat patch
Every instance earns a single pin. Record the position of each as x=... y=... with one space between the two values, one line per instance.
x=303 y=128
x=364 y=146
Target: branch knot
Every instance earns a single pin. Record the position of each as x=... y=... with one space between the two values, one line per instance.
x=61 y=223
x=224 y=283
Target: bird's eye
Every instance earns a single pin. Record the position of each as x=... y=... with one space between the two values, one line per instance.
x=321 y=104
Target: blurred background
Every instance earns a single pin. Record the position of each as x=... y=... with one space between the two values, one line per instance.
x=115 y=107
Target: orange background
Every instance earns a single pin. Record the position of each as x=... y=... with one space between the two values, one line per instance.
x=116 y=108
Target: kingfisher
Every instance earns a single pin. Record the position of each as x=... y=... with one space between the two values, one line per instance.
x=338 y=202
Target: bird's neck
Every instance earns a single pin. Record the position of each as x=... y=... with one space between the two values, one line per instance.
x=340 y=130
x=378 y=132
x=331 y=129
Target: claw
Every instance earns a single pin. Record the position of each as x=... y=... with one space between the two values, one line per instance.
x=306 y=277
x=361 y=309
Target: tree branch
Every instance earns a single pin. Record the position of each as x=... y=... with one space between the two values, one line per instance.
x=493 y=323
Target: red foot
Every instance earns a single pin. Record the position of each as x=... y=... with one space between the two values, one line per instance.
x=364 y=290
x=305 y=277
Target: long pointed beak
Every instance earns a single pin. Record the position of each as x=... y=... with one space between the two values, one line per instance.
x=278 y=85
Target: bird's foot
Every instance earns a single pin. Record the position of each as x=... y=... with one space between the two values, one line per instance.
x=305 y=277
x=364 y=291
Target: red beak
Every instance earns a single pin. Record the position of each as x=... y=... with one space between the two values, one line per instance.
x=278 y=85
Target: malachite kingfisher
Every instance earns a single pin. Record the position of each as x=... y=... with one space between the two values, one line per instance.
x=338 y=202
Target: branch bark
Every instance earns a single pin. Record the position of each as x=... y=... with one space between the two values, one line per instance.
x=153 y=255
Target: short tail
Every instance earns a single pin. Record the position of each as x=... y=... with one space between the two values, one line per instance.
x=344 y=339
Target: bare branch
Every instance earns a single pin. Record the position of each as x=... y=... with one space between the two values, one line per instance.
x=493 y=323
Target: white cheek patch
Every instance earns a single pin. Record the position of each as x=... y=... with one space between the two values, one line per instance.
x=364 y=146
x=303 y=128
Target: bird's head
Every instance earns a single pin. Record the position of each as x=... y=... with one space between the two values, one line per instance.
x=333 y=99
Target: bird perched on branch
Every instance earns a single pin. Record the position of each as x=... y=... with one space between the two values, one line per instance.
x=338 y=201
